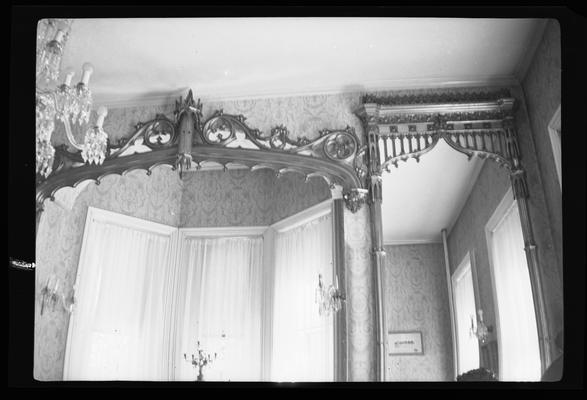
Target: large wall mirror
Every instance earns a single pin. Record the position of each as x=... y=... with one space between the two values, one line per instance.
x=456 y=260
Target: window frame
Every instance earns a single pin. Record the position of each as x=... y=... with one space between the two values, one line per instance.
x=468 y=262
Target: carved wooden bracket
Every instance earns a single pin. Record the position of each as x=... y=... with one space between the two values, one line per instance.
x=189 y=141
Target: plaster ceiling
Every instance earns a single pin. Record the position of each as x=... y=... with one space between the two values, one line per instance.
x=150 y=59
x=421 y=199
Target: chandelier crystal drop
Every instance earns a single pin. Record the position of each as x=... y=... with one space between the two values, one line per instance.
x=45 y=156
x=70 y=104
x=96 y=141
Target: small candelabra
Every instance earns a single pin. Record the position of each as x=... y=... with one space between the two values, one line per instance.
x=481 y=331
x=329 y=300
x=200 y=360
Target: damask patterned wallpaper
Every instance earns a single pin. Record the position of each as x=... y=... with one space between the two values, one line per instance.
x=416 y=299
x=361 y=322
x=243 y=198
x=542 y=90
x=551 y=275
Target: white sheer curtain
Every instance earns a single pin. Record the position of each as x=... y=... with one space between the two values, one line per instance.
x=302 y=339
x=517 y=321
x=121 y=321
x=220 y=286
x=464 y=299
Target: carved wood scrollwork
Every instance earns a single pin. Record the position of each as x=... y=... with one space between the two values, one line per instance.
x=410 y=126
x=334 y=156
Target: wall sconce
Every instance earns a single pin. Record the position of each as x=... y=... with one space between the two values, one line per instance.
x=329 y=300
x=481 y=331
x=51 y=296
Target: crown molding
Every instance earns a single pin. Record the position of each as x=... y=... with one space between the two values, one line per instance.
x=228 y=94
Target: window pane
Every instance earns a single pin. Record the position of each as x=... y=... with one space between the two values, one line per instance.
x=464 y=298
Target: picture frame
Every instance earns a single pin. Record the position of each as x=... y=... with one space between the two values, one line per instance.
x=405 y=343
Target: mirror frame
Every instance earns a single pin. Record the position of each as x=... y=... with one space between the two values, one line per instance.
x=480 y=124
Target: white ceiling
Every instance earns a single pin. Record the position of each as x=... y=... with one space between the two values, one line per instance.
x=156 y=60
x=421 y=199
x=221 y=58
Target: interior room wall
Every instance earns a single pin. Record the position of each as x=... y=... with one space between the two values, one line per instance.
x=542 y=93
x=468 y=234
x=240 y=197
x=416 y=299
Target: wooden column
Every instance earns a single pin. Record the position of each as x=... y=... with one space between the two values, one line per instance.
x=377 y=250
x=338 y=260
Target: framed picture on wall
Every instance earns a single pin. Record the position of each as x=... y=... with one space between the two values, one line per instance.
x=404 y=343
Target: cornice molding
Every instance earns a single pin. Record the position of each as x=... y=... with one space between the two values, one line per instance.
x=213 y=96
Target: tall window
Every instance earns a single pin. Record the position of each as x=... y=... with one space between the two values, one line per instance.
x=464 y=307
x=519 y=352
x=219 y=304
x=303 y=340
x=118 y=330
x=148 y=293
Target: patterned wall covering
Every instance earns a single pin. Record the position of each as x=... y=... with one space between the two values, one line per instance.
x=361 y=323
x=468 y=233
x=416 y=299
x=243 y=198
x=542 y=89
x=541 y=223
x=155 y=198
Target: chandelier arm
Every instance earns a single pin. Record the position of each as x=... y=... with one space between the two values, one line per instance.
x=69 y=135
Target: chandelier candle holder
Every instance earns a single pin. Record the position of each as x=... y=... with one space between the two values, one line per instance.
x=329 y=299
x=200 y=360
x=66 y=103
x=481 y=331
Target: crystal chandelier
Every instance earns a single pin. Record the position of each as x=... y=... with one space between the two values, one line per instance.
x=328 y=300
x=66 y=103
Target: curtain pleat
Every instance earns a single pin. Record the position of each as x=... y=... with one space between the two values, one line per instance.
x=302 y=339
x=222 y=294
x=120 y=319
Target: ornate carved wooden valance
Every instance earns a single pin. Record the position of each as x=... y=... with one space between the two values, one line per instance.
x=188 y=140
x=475 y=124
